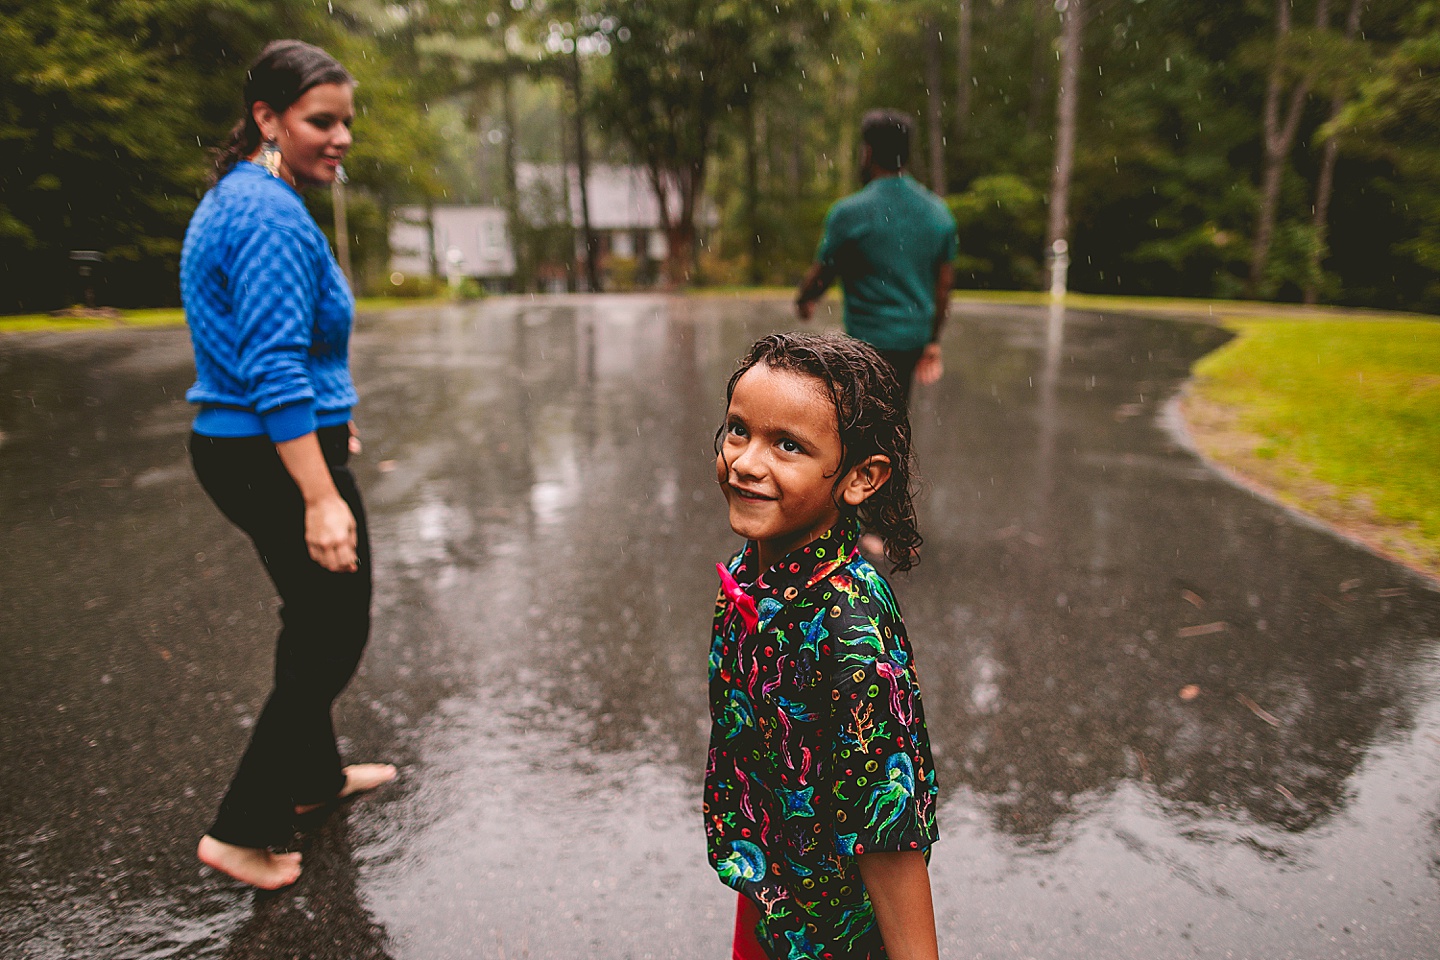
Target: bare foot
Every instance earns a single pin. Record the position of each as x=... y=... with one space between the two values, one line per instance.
x=253 y=865
x=359 y=777
x=872 y=544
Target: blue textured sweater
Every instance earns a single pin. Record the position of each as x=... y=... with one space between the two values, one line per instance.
x=269 y=312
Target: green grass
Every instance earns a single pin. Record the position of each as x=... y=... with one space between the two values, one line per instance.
x=171 y=316
x=1339 y=417
x=154 y=317
x=374 y=304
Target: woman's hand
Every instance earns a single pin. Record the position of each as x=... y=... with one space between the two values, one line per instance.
x=329 y=525
x=330 y=534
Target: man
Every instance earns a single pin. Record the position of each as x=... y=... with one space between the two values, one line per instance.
x=890 y=244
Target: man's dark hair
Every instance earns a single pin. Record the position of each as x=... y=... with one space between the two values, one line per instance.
x=283 y=73
x=871 y=417
x=887 y=133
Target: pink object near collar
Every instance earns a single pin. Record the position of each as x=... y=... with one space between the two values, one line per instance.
x=739 y=599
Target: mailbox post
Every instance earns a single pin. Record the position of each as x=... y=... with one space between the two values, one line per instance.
x=1059 y=268
x=85 y=261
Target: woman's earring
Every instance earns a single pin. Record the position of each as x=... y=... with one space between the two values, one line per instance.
x=269 y=158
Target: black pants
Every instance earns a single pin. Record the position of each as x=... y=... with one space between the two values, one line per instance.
x=325 y=621
x=904 y=362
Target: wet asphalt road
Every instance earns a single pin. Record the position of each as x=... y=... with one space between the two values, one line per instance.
x=542 y=503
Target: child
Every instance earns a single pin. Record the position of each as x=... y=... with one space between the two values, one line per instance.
x=820 y=791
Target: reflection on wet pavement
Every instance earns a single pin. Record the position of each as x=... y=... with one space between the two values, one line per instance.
x=1168 y=719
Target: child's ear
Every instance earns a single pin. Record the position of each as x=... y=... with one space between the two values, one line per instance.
x=866 y=477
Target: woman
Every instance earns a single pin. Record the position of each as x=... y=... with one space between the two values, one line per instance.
x=270 y=315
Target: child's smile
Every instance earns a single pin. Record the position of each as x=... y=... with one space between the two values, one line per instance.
x=778 y=460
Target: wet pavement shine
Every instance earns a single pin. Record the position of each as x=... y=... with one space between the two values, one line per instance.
x=1169 y=719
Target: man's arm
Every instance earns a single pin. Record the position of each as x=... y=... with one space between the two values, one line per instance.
x=899 y=888
x=930 y=366
x=817 y=281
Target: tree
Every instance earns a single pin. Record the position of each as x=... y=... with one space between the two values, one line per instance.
x=934 y=104
x=964 y=68
x=105 y=108
x=1325 y=183
x=1278 y=131
x=108 y=112
x=678 y=68
x=1395 y=119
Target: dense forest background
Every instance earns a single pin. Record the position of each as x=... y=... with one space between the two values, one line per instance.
x=1284 y=149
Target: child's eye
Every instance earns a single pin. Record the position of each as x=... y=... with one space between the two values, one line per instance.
x=790 y=446
x=734 y=430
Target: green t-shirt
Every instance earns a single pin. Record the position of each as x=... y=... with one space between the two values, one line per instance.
x=885 y=242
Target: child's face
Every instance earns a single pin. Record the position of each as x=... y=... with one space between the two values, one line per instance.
x=778 y=459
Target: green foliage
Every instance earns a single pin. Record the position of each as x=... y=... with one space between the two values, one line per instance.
x=408 y=288
x=789 y=228
x=108 y=111
x=680 y=66
x=1396 y=118
x=469 y=289
x=107 y=108
x=1001 y=224
x=91 y=114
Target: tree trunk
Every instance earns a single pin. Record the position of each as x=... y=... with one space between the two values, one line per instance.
x=1279 y=138
x=797 y=157
x=572 y=255
x=964 y=70
x=847 y=153
x=679 y=226
x=752 y=195
x=342 y=230
x=512 y=188
x=934 y=106
x=430 y=251
x=582 y=163
x=1067 y=103
x=1039 y=65
x=1325 y=187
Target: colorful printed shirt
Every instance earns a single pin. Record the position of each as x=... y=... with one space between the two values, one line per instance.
x=818 y=747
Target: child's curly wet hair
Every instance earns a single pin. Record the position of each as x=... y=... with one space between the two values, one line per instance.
x=872 y=419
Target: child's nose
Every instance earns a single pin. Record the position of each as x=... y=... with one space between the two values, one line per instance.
x=747 y=461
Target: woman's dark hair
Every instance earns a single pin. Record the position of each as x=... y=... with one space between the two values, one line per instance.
x=282 y=74
x=887 y=133
x=870 y=412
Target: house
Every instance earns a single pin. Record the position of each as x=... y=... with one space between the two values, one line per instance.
x=624 y=214
x=468 y=241
x=473 y=241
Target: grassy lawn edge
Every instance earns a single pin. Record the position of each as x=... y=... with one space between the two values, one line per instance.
x=1345 y=440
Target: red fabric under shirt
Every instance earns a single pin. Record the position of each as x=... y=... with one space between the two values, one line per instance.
x=746 y=946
